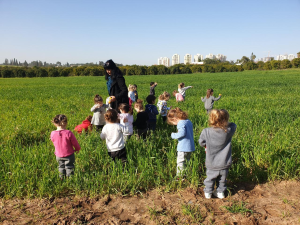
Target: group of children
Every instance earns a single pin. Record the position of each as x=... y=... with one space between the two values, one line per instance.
x=117 y=128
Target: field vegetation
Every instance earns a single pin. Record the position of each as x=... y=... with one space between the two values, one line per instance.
x=263 y=104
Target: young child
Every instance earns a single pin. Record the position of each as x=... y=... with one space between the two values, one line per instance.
x=135 y=92
x=182 y=89
x=209 y=100
x=141 y=119
x=162 y=105
x=65 y=144
x=113 y=132
x=85 y=125
x=152 y=112
x=126 y=113
x=152 y=86
x=131 y=95
x=184 y=135
x=99 y=109
x=217 y=141
x=178 y=96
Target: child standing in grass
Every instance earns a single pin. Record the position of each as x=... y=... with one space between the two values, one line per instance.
x=162 y=105
x=65 y=144
x=217 y=141
x=209 y=100
x=152 y=88
x=152 y=112
x=135 y=92
x=184 y=135
x=131 y=94
x=178 y=96
x=126 y=113
x=85 y=125
x=113 y=133
x=99 y=109
x=141 y=119
x=182 y=89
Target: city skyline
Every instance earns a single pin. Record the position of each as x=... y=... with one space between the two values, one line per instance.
x=84 y=32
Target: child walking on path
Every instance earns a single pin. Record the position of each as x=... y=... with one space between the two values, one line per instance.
x=85 y=125
x=178 y=96
x=65 y=144
x=152 y=88
x=113 y=132
x=184 y=135
x=182 y=89
x=217 y=140
x=98 y=119
x=209 y=100
x=141 y=119
x=162 y=105
x=126 y=114
x=152 y=112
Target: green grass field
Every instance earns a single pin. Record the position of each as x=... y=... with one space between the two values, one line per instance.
x=263 y=104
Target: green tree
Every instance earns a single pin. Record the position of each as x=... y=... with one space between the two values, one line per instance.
x=268 y=65
x=260 y=65
x=41 y=72
x=296 y=63
x=152 y=70
x=275 y=64
x=244 y=60
x=6 y=72
x=52 y=72
x=285 y=64
x=252 y=57
x=211 y=61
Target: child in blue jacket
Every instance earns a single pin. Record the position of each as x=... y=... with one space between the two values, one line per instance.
x=184 y=135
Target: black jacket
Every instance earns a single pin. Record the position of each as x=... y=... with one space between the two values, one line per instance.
x=119 y=90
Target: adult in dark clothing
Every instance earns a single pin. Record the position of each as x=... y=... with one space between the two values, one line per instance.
x=116 y=85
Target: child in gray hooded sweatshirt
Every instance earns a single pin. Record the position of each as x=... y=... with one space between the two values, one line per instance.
x=217 y=142
x=209 y=100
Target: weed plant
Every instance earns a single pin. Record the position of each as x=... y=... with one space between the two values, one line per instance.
x=263 y=104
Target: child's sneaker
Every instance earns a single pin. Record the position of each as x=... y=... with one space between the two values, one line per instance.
x=207 y=195
x=218 y=194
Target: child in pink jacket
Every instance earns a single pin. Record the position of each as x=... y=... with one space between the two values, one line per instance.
x=65 y=144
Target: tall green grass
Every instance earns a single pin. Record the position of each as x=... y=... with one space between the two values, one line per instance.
x=264 y=105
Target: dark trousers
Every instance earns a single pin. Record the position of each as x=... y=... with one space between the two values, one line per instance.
x=66 y=165
x=151 y=125
x=99 y=127
x=121 y=154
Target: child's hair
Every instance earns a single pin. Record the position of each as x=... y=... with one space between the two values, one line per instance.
x=151 y=83
x=111 y=116
x=180 y=85
x=164 y=96
x=219 y=119
x=98 y=98
x=139 y=104
x=135 y=86
x=89 y=118
x=175 y=92
x=60 y=120
x=126 y=108
x=209 y=92
x=130 y=87
x=150 y=99
x=177 y=113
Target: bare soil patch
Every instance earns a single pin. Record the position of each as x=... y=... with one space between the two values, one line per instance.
x=270 y=203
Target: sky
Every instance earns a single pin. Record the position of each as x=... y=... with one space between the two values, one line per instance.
x=140 y=31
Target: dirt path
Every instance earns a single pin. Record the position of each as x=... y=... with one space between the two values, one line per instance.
x=270 y=203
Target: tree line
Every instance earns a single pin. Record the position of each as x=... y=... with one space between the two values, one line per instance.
x=209 y=66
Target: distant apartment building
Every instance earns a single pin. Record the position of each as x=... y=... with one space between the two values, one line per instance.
x=187 y=58
x=291 y=57
x=175 y=59
x=282 y=57
x=221 y=57
x=164 y=61
x=210 y=56
x=198 y=58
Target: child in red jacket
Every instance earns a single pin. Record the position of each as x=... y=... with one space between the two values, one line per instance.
x=86 y=125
